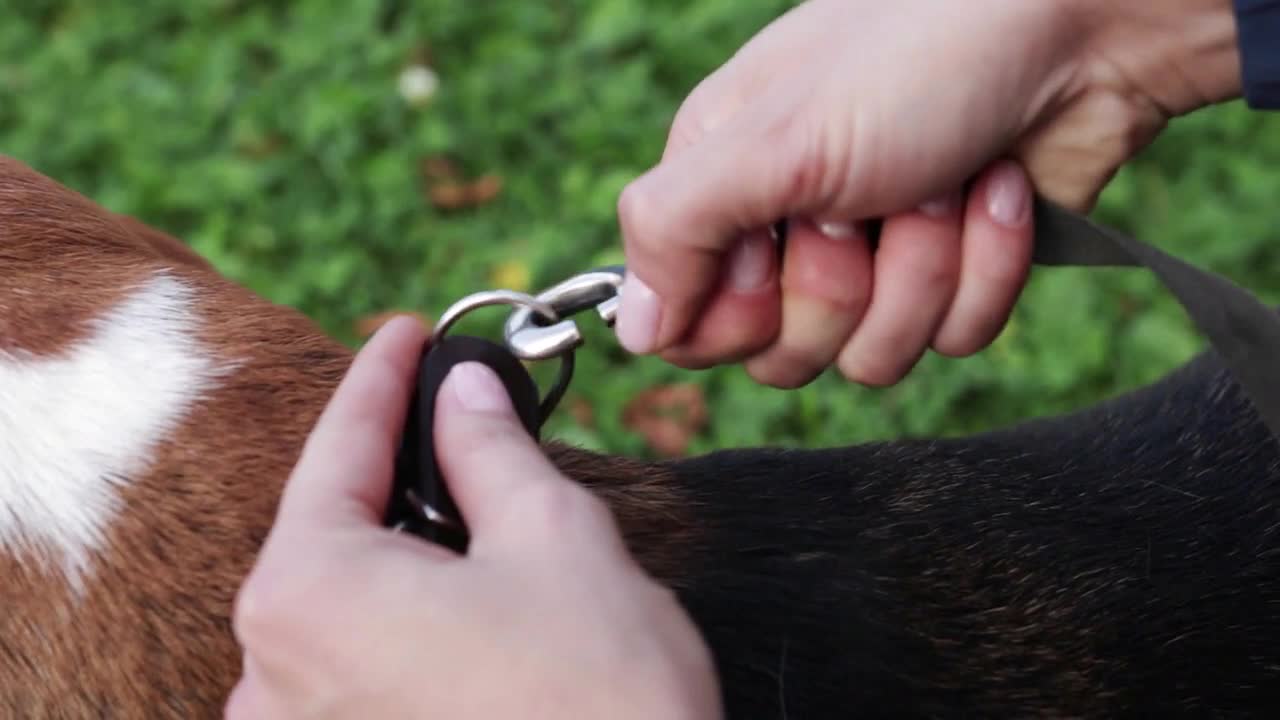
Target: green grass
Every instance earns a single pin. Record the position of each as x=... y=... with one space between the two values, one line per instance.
x=272 y=137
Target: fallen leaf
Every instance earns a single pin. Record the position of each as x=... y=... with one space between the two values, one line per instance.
x=452 y=195
x=366 y=326
x=582 y=412
x=485 y=188
x=667 y=417
x=448 y=195
x=439 y=167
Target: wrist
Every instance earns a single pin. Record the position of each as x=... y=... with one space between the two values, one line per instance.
x=1177 y=55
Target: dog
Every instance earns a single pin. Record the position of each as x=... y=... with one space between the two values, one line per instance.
x=1123 y=560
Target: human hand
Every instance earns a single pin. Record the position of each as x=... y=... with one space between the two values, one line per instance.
x=547 y=616
x=927 y=114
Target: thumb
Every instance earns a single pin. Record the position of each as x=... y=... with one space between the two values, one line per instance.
x=502 y=482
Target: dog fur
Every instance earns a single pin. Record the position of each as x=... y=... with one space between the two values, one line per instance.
x=1118 y=561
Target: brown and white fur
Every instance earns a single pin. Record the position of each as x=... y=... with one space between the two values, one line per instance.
x=1123 y=560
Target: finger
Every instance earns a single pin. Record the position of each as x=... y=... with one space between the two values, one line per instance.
x=742 y=317
x=997 y=243
x=250 y=698
x=511 y=496
x=681 y=218
x=826 y=286
x=733 y=317
x=917 y=268
x=738 y=317
x=344 y=472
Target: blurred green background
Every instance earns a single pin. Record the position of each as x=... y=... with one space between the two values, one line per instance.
x=282 y=141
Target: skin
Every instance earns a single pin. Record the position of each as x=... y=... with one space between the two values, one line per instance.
x=341 y=617
x=936 y=117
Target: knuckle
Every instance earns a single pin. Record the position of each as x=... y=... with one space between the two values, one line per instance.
x=690 y=124
x=640 y=222
x=548 y=511
x=765 y=373
x=1006 y=268
x=851 y=298
x=959 y=344
x=806 y=170
x=791 y=380
x=474 y=443
x=682 y=135
x=870 y=369
x=690 y=358
x=738 y=343
x=709 y=105
x=782 y=369
x=930 y=267
x=969 y=335
x=275 y=610
x=842 y=297
x=261 y=613
x=806 y=178
x=837 y=274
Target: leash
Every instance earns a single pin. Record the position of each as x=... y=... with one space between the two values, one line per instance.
x=1245 y=332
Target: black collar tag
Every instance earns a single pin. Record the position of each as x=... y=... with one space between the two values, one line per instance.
x=420 y=501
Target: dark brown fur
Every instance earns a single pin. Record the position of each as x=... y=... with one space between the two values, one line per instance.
x=1121 y=561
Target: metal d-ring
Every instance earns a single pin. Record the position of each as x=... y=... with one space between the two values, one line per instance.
x=484 y=298
x=525 y=301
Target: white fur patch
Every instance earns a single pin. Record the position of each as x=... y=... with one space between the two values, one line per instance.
x=78 y=427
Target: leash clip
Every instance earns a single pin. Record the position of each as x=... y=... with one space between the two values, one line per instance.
x=531 y=335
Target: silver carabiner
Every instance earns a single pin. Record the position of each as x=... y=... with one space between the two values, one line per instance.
x=530 y=337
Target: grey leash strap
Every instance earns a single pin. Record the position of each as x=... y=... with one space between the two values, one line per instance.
x=1244 y=331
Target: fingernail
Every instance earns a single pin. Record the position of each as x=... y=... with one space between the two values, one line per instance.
x=639 y=310
x=477 y=388
x=833 y=229
x=941 y=206
x=1007 y=197
x=751 y=263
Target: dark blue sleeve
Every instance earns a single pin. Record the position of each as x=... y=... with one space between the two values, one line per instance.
x=1258 y=32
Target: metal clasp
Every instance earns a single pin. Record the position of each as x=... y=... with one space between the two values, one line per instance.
x=530 y=336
